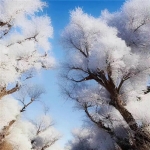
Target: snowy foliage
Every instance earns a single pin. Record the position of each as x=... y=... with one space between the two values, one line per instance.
x=107 y=70
x=7 y=103
x=35 y=135
x=23 y=39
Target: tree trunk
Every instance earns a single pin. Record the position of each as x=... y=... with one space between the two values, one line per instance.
x=125 y=113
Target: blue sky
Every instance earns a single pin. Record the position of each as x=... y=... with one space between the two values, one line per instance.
x=61 y=110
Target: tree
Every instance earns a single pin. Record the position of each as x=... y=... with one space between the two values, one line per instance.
x=24 y=51
x=107 y=70
x=89 y=138
x=46 y=135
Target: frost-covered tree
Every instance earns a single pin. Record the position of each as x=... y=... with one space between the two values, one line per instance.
x=46 y=135
x=24 y=50
x=82 y=140
x=90 y=138
x=37 y=135
x=107 y=70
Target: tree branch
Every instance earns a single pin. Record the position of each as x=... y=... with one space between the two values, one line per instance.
x=16 y=88
x=99 y=123
x=48 y=144
x=20 y=42
x=26 y=105
x=77 y=68
x=122 y=81
x=5 y=130
x=144 y=22
x=4 y=92
x=81 y=51
x=84 y=79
